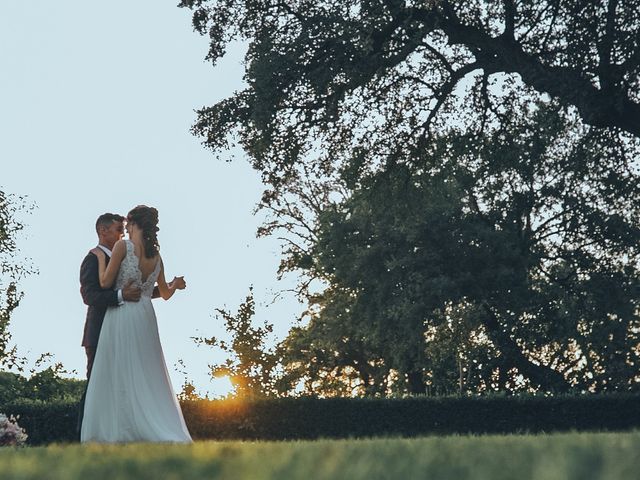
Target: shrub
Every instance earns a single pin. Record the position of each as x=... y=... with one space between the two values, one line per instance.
x=11 y=434
x=45 y=385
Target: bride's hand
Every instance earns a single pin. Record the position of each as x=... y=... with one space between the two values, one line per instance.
x=178 y=283
x=98 y=252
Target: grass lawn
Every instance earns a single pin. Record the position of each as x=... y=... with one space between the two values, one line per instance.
x=559 y=456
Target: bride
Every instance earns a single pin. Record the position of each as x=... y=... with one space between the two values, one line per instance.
x=129 y=395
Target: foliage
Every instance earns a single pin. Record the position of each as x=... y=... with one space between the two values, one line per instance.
x=188 y=392
x=503 y=262
x=45 y=385
x=251 y=367
x=12 y=268
x=456 y=181
x=326 y=79
x=331 y=356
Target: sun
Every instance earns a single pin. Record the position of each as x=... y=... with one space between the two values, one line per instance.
x=221 y=387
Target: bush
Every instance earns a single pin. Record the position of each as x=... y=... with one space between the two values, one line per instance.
x=310 y=418
x=11 y=387
x=45 y=385
x=11 y=434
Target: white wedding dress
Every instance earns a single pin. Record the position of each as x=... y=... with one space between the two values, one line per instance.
x=129 y=395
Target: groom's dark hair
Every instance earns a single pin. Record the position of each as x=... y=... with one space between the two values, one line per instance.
x=107 y=219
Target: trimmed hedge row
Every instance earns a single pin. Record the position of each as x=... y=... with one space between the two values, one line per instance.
x=310 y=418
x=342 y=417
x=45 y=422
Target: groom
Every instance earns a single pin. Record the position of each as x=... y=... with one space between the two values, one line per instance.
x=110 y=229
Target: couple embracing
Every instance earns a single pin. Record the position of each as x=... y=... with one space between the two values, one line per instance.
x=129 y=397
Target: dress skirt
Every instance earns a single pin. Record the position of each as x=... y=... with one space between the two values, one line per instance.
x=129 y=396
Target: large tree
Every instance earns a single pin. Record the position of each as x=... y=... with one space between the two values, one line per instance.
x=344 y=96
x=523 y=244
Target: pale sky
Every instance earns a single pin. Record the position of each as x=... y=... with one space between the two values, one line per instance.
x=96 y=102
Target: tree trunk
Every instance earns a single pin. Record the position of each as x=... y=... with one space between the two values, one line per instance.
x=416 y=382
x=545 y=377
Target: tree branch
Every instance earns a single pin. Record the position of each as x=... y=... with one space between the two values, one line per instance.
x=445 y=91
x=543 y=376
x=598 y=108
x=604 y=47
x=509 y=19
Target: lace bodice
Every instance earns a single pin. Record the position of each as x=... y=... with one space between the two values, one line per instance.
x=130 y=270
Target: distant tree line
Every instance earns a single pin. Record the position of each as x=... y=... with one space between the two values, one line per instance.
x=457 y=184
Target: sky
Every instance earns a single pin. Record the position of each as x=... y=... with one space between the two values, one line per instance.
x=96 y=102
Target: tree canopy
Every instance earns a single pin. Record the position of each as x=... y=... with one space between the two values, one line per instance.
x=328 y=78
x=500 y=262
x=461 y=177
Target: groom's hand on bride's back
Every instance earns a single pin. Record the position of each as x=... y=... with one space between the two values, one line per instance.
x=131 y=293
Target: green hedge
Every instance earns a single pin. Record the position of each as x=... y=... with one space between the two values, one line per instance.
x=45 y=422
x=309 y=418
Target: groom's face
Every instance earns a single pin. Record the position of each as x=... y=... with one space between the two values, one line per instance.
x=112 y=234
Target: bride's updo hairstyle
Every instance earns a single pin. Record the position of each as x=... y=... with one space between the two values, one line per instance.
x=146 y=218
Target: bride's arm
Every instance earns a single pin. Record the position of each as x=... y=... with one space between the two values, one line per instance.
x=107 y=273
x=166 y=290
